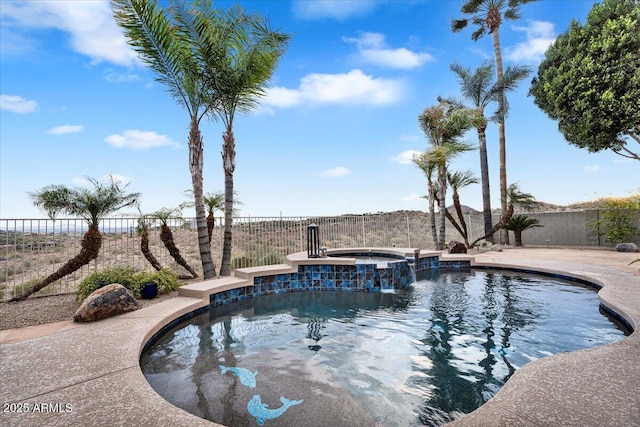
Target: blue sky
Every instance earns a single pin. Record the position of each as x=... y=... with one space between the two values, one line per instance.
x=334 y=135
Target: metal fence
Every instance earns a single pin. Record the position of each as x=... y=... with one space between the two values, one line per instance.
x=32 y=249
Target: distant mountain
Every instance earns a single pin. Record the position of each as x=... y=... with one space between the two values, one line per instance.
x=465 y=209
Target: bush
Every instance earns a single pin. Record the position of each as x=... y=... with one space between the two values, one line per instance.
x=166 y=280
x=127 y=277
x=618 y=219
x=122 y=275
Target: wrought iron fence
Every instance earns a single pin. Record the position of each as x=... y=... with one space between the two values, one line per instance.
x=32 y=249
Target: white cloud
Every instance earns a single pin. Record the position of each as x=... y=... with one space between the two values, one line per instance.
x=335 y=172
x=17 y=104
x=354 y=87
x=64 y=129
x=334 y=9
x=90 y=25
x=114 y=77
x=406 y=157
x=140 y=140
x=591 y=168
x=372 y=49
x=539 y=36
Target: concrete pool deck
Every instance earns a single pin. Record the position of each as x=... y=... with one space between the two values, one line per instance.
x=67 y=374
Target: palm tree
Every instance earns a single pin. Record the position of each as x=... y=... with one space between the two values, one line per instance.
x=90 y=204
x=249 y=53
x=520 y=223
x=443 y=125
x=488 y=16
x=516 y=198
x=144 y=222
x=458 y=180
x=481 y=88
x=174 y=51
x=427 y=166
x=166 y=235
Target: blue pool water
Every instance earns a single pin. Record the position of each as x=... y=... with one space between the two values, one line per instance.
x=423 y=355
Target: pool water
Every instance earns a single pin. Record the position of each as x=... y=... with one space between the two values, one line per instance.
x=423 y=355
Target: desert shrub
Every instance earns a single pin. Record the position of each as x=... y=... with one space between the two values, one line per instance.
x=166 y=280
x=241 y=262
x=617 y=219
x=121 y=275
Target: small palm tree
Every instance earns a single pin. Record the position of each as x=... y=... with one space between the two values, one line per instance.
x=458 y=180
x=516 y=198
x=90 y=204
x=144 y=222
x=520 y=223
x=166 y=235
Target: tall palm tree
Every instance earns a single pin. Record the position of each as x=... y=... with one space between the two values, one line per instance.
x=458 y=180
x=90 y=204
x=173 y=51
x=443 y=126
x=481 y=88
x=248 y=54
x=488 y=16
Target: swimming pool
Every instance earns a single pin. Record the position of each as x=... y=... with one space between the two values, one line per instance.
x=422 y=356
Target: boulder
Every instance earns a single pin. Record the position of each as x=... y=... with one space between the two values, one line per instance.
x=496 y=248
x=627 y=247
x=457 y=247
x=106 y=302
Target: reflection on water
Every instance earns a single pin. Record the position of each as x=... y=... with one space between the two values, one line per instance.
x=421 y=356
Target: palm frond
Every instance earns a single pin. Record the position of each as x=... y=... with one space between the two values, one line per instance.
x=160 y=45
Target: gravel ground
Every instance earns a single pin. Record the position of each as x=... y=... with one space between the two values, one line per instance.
x=49 y=309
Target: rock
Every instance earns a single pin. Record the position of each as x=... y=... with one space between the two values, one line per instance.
x=106 y=302
x=457 y=247
x=496 y=248
x=627 y=247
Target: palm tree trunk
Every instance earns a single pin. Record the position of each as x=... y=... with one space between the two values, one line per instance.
x=167 y=238
x=195 y=166
x=455 y=224
x=501 y=133
x=144 y=248
x=90 y=249
x=228 y=162
x=484 y=178
x=518 y=237
x=432 y=215
x=442 y=191
x=211 y=223
x=456 y=203
x=499 y=226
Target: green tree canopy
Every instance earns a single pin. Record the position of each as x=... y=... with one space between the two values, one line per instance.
x=589 y=80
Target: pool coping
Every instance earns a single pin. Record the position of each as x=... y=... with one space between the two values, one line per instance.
x=95 y=367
